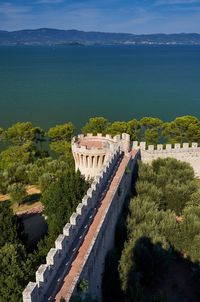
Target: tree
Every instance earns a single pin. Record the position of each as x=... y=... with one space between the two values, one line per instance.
x=17 y=155
x=39 y=136
x=60 y=138
x=60 y=133
x=21 y=133
x=154 y=230
x=190 y=232
x=133 y=128
x=176 y=181
x=17 y=193
x=194 y=200
x=45 y=180
x=14 y=173
x=13 y=275
x=149 y=189
x=19 y=173
x=4 y=182
x=117 y=128
x=61 y=200
x=96 y=125
x=35 y=170
x=151 y=129
x=145 y=256
x=10 y=226
x=151 y=122
x=63 y=132
x=176 y=195
x=62 y=147
x=184 y=129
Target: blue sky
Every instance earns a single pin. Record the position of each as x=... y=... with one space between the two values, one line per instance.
x=144 y=16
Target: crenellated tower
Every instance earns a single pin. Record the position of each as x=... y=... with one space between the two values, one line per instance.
x=92 y=151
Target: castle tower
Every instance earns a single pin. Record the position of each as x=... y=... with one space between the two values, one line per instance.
x=91 y=152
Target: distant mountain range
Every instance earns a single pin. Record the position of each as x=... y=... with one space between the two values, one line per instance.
x=47 y=36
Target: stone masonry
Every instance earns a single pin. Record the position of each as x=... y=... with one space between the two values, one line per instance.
x=184 y=152
x=80 y=251
x=91 y=152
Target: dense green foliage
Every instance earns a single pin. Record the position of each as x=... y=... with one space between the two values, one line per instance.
x=24 y=162
x=21 y=133
x=17 y=193
x=96 y=125
x=14 y=272
x=17 y=155
x=10 y=227
x=182 y=129
x=163 y=222
x=60 y=137
x=18 y=267
x=168 y=182
x=149 y=129
x=14 y=268
x=166 y=191
x=61 y=200
x=24 y=159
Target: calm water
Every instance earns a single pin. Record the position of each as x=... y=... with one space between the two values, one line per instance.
x=51 y=85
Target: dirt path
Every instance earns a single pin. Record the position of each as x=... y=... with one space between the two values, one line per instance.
x=31 y=189
x=36 y=208
x=31 y=206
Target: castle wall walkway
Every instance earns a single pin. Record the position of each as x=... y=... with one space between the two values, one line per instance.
x=71 y=279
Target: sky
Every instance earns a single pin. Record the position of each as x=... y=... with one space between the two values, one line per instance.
x=139 y=17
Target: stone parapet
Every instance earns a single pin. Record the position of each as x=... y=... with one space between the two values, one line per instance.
x=37 y=291
x=89 y=263
x=166 y=147
x=99 y=157
x=186 y=152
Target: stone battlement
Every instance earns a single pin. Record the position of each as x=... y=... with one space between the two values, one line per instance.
x=168 y=147
x=85 y=238
x=185 y=152
x=91 y=151
x=89 y=262
x=38 y=291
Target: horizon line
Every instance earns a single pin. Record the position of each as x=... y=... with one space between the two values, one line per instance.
x=96 y=31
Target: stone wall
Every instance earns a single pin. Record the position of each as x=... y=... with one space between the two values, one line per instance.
x=59 y=255
x=37 y=291
x=104 y=237
x=185 y=152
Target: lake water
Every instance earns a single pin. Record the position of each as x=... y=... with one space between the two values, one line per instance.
x=52 y=85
